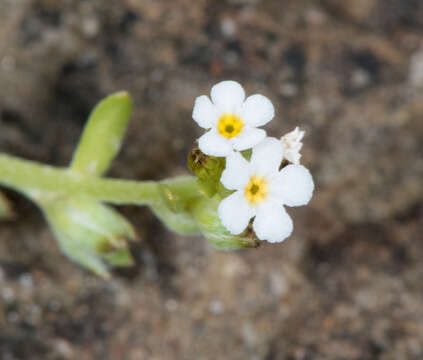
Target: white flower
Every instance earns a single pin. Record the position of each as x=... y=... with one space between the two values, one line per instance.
x=262 y=190
x=292 y=145
x=231 y=119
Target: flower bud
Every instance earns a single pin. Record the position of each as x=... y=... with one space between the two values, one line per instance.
x=292 y=145
x=208 y=170
x=90 y=233
x=205 y=212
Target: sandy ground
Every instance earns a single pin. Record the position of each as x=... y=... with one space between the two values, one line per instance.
x=347 y=285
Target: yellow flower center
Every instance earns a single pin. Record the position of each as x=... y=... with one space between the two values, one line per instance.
x=256 y=190
x=229 y=125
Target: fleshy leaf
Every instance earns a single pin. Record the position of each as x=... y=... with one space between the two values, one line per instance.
x=103 y=133
x=90 y=233
x=178 y=194
x=121 y=257
x=181 y=222
x=88 y=260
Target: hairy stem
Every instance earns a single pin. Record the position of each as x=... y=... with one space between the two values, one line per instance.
x=36 y=180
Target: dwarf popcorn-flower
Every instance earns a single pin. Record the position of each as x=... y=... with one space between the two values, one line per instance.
x=261 y=190
x=231 y=119
x=232 y=190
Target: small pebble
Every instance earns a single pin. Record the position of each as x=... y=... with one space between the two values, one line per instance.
x=216 y=307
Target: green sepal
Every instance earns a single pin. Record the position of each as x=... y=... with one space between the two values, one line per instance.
x=247 y=154
x=103 y=134
x=223 y=192
x=205 y=212
x=208 y=170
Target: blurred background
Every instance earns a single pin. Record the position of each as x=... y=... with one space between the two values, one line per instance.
x=348 y=284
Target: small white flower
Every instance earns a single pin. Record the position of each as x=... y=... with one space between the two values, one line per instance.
x=292 y=145
x=232 y=122
x=262 y=190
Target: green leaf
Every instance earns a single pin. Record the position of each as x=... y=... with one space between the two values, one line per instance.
x=181 y=222
x=178 y=194
x=121 y=258
x=103 y=133
x=90 y=233
x=86 y=259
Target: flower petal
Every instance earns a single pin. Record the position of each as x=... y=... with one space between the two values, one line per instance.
x=292 y=156
x=272 y=223
x=293 y=185
x=204 y=112
x=211 y=143
x=237 y=172
x=292 y=145
x=267 y=156
x=248 y=138
x=257 y=110
x=228 y=96
x=235 y=212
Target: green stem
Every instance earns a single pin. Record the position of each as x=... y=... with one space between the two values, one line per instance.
x=35 y=180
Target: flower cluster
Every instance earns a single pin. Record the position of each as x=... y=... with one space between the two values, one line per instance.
x=259 y=185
